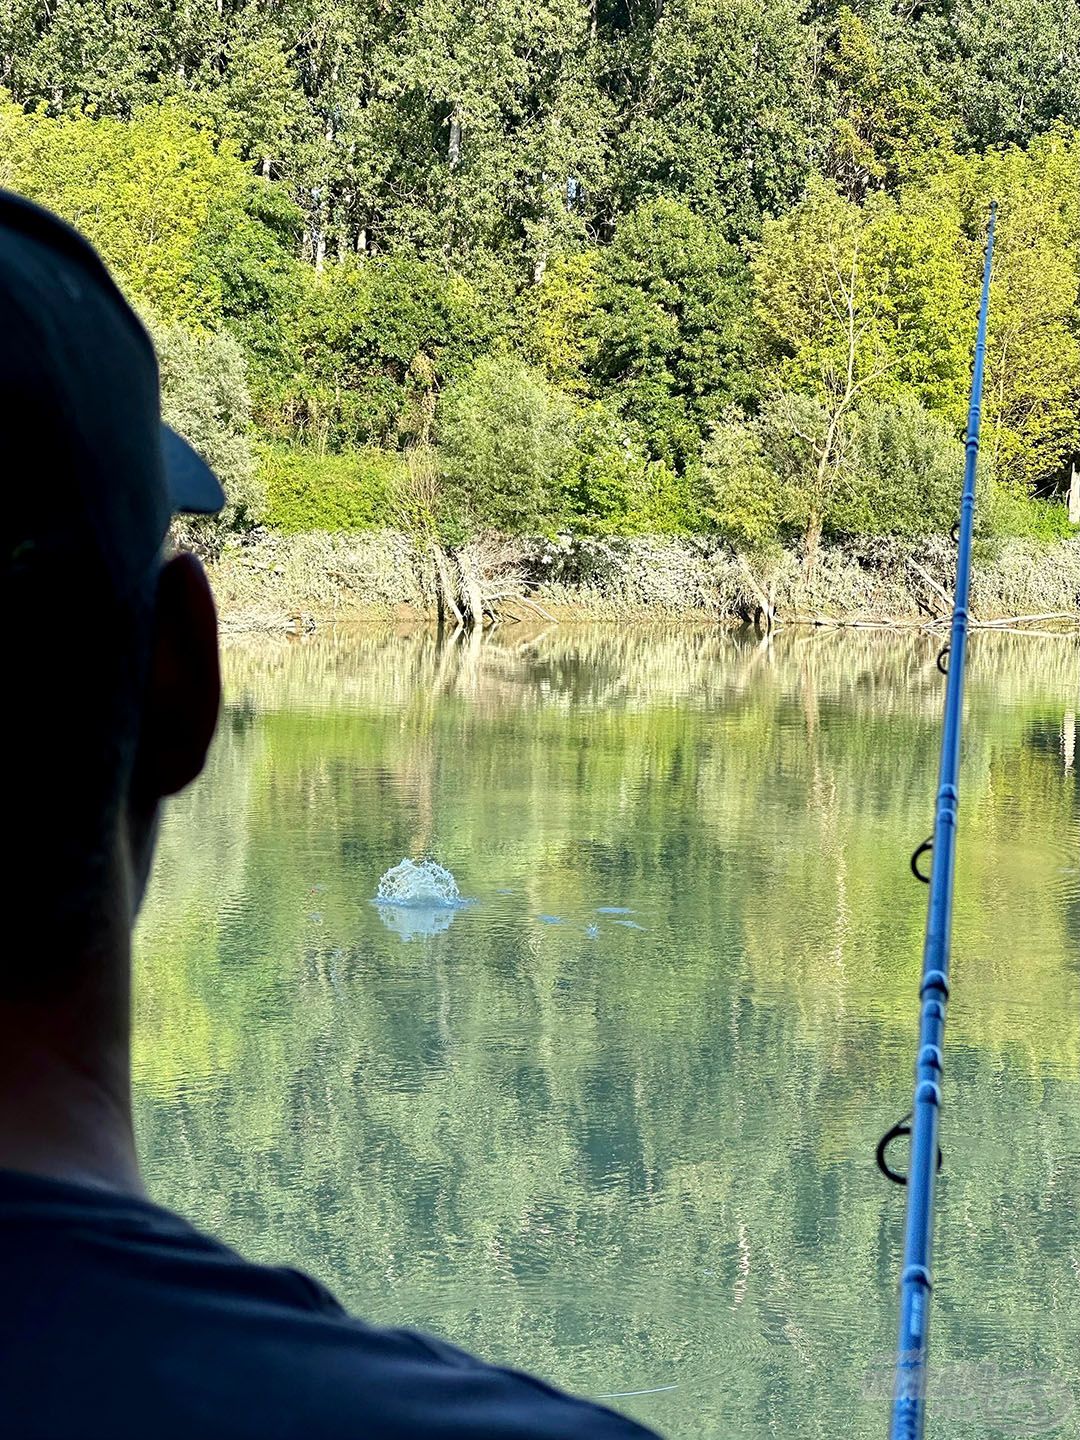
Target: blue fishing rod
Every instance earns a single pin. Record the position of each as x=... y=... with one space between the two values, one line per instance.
x=909 y=1392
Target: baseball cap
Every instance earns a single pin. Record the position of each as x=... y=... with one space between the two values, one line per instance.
x=89 y=469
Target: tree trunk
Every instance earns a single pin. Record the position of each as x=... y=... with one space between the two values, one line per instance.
x=812 y=543
x=453 y=152
x=1074 y=496
x=471 y=593
x=765 y=617
x=444 y=587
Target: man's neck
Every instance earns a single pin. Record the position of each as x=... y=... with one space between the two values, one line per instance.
x=65 y=1081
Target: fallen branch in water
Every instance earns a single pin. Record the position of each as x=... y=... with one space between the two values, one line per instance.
x=939 y=625
x=1039 y=634
x=1016 y=620
x=858 y=622
x=765 y=604
x=535 y=605
x=519 y=599
x=938 y=590
x=445 y=596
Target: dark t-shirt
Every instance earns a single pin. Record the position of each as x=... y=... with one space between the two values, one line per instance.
x=121 y=1322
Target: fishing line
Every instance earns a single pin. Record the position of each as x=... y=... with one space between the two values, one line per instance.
x=626 y=1394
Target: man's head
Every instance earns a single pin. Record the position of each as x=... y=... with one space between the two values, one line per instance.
x=111 y=646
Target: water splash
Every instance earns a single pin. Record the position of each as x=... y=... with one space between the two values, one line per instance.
x=426 y=883
x=418 y=899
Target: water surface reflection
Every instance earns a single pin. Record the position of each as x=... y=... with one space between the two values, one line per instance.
x=617 y=1121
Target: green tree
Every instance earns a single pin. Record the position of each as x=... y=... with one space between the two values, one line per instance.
x=248 y=257
x=145 y=192
x=489 y=127
x=715 y=101
x=81 y=55
x=998 y=72
x=869 y=300
x=504 y=445
x=246 y=82
x=204 y=396
x=1032 y=397
x=554 y=321
x=671 y=337
x=367 y=339
x=1033 y=367
x=611 y=485
x=888 y=117
x=827 y=330
x=1016 y=70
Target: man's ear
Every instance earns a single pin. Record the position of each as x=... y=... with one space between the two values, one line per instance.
x=184 y=682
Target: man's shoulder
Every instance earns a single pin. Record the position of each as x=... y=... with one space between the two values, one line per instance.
x=153 y=1321
x=403 y=1382
x=407 y=1383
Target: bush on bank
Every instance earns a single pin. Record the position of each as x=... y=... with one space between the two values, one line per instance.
x=270 y=577
x=308 y=490
x=541 y=469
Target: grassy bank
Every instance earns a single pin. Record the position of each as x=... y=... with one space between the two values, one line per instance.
x=273 y=580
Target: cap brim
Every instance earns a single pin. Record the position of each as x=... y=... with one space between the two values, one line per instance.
x=193 y=487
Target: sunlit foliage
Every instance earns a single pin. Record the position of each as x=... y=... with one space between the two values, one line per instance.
x=699 y=214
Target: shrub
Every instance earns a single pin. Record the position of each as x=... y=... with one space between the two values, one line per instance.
x=760 y=480
x=505 y=440
x=415 y=496
x=612 y=487
x=904 y=476
x=894 y=469
x=307 y=490
x=204 y=396
x=738 y=486
x=1010 y=511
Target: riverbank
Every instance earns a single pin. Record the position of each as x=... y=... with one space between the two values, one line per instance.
x=279 y=582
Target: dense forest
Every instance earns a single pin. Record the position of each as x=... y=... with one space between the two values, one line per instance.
x=602 y=265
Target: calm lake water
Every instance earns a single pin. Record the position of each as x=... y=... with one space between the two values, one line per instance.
x=616 y=1121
